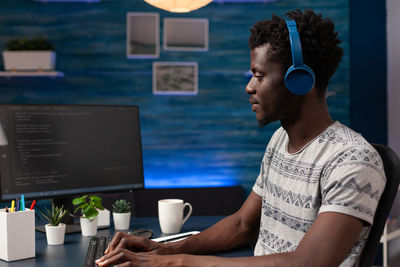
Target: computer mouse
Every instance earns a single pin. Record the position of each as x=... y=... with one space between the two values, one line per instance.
x=146 y=233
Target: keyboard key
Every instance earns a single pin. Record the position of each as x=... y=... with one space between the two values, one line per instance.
x=89 y=261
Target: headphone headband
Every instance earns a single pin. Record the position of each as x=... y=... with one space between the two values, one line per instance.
x=295 y=44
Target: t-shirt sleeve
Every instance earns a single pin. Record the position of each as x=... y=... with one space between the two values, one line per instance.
x=259 y=184
x=353 y=182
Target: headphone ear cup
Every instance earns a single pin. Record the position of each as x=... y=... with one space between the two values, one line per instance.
x=299 y=80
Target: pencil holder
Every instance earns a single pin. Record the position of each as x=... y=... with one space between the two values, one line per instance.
x=17 y=232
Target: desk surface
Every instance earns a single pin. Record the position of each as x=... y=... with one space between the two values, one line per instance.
x=73 y=252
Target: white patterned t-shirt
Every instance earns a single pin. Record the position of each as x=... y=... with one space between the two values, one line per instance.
x=338 y=171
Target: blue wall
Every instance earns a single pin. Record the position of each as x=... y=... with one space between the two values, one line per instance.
x=210 y=139
x=368 y=94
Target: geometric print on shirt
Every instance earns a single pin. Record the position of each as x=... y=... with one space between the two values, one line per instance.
x=292 y=169
x=363 y=156
x=352 y=185
x=341 y=136
x=274 y=244
x=304 y=201
x=296 y=223
x=353 y=205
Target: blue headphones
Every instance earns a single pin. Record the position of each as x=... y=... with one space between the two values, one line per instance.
x=299 y=78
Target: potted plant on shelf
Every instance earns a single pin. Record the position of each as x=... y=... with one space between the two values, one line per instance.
x=121 y=214
x=55 y=230
x=35 y=54
x=88 y=206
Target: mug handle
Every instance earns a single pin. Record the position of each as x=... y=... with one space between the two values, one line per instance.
x=189 y=212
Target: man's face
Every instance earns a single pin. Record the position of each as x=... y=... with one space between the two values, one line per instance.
x=268 y=95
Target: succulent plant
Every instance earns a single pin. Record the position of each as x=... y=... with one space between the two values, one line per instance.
x=38 y=43
x=121 y=206
x=55 y=215
x=88 y=206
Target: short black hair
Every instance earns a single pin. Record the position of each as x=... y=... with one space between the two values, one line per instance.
x=319 y=41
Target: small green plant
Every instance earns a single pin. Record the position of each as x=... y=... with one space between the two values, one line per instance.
x=121 y=206
x=38 y=43
x=88 y=206
x=55 y=215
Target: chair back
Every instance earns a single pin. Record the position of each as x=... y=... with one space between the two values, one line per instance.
x=391 y=164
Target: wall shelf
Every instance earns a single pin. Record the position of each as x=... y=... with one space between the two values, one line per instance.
x=26 y=74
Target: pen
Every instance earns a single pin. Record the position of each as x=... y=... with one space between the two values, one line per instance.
x=177 y=237
x=33 y=205
x=17 y=205
x=12 y=205
x=22 y=203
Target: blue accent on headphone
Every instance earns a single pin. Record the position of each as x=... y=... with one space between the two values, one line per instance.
x=299 y=78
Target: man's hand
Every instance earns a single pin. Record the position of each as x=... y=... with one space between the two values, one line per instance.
x=136 y=244
x=125 y=258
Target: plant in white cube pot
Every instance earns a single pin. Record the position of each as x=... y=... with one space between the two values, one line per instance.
x=121 y=214
x=55 y=230
x=35 y=54
x=88 y=206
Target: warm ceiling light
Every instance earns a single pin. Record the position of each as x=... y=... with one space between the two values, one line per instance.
x=178 y=6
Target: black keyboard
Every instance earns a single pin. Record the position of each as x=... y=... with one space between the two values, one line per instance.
x=98 y=245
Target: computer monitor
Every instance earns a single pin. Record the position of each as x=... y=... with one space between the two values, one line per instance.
x=64 y=150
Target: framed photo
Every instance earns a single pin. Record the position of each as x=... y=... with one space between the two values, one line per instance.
x=185 y=34
x=175 y=78
x=142 y=35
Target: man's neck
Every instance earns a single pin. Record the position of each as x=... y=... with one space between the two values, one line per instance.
x=314 y=118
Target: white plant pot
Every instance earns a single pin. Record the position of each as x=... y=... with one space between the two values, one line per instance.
x=55 y=234
x=29 y=60
x=121 y=220
x=89 y=228
x=104 y=218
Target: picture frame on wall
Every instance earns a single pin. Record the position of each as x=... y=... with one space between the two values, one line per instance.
x=186 y=34
x=142 y=35
x=175 y=78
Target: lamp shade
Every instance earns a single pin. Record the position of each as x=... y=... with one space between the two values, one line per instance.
x=178 y=6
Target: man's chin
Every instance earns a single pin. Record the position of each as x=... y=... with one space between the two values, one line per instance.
x=262 y=123
x=265 y=121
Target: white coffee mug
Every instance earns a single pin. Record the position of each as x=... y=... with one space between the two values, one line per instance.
x=170 y=215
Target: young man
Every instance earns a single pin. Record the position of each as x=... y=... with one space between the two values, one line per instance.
x=320 y=182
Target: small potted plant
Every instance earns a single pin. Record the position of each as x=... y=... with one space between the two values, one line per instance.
x=35 y=54
x=88 y=206
x=55 y=230
x=121 y=214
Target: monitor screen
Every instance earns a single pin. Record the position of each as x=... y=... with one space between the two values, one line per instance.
x=59 y=150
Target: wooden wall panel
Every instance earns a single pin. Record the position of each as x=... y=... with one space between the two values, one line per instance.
x=211 y=139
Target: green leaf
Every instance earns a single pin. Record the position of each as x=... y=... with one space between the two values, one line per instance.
x=78 y=200
x=76 y=210
x=88 y=206
x=38 y=43
x=91 y=214
x=87 y=209
x=95 y=199
x=55 y=215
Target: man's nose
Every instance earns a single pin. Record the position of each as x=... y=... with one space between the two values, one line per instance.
x=251 y=86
